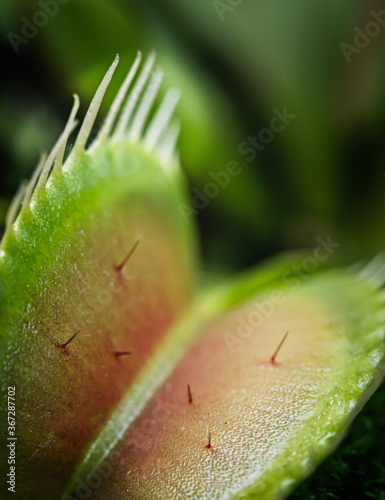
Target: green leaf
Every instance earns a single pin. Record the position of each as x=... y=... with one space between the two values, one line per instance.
x=98 y=261
x=59 y=274
x=271 y=423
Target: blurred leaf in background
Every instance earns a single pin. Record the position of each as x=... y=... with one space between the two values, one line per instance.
x=237 y=64
x=282 y=111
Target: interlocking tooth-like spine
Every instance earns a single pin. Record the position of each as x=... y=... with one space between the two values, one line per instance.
x=92 y=112
x=14 y=207
x=373 y=271
x=144 y=107
x=126 y=121
x=160 y=122
x=58 y=150
x=71 y=124
x=32 y=183
x=133 y=99
x=117 y=103
x=167 y=147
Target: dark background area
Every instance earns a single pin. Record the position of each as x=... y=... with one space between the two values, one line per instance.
x=235 y=62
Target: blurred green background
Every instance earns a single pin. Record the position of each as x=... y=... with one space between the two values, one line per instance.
x=237 y=63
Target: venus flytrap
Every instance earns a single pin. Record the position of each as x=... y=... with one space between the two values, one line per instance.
x=272 y=421
x=101 y=331
x=62 y=271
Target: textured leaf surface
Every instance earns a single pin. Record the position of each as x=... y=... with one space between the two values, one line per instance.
x=270 y=424
x=59 y=275
x=99 y=252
